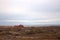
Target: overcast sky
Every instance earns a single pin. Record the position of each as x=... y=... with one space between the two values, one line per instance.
x=30 y=12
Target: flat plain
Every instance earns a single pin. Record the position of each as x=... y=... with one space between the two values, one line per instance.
x=30 y=33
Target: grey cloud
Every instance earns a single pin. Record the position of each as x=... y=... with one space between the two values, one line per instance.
x=45 y=8
x=34 y=10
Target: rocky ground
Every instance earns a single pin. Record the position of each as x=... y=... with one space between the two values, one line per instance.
x=30 y=33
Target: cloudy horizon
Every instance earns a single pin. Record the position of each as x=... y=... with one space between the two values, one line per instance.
x=30 y=12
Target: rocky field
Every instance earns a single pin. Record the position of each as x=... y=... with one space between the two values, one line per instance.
x=29 y=33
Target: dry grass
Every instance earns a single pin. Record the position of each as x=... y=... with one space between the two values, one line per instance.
x=30 y=33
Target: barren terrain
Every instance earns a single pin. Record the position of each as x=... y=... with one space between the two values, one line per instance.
x=29 y=33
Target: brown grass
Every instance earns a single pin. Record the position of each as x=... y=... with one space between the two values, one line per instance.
x=29 y=33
